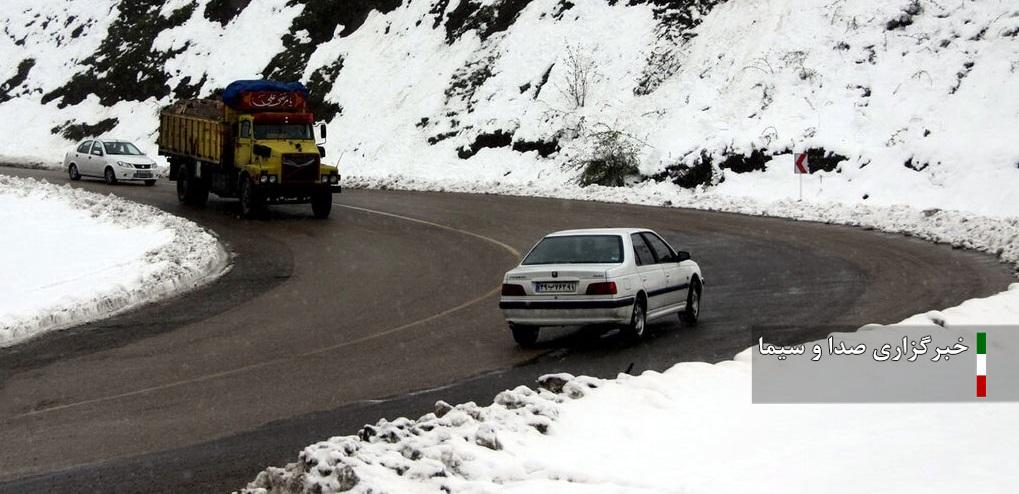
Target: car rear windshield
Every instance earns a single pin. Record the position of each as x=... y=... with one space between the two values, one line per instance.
x=577 y=249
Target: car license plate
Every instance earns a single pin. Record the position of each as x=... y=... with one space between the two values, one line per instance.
x=556 y=287
x=142 y=174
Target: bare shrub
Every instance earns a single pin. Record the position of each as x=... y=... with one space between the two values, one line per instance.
x=613 y=159
x=581 y=71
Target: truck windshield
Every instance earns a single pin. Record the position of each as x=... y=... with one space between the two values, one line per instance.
x=577 y=249
x=123 y=148
x=283 y=131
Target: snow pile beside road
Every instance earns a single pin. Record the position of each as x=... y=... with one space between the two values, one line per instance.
x=684 y=430
x=460 y=447
x=72 y=256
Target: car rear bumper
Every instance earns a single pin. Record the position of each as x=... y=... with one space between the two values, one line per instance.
x=567 y=312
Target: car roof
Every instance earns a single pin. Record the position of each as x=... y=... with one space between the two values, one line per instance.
x=597 y=231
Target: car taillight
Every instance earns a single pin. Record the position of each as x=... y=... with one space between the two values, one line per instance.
x=512 y=290
x=603 y=288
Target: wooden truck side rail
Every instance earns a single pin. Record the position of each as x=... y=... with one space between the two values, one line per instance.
x=192 y=137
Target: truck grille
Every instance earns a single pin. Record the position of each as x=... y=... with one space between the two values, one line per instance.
x=300 y=168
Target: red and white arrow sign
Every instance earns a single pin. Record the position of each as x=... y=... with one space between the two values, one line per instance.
x=800 y=163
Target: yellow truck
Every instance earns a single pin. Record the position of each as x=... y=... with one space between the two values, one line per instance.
x=257 y=143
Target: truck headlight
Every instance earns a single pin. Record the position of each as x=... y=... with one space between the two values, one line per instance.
x=325 y=179
x=334 y=179
x=125 y=164
x=264 y=179
x=272 y=179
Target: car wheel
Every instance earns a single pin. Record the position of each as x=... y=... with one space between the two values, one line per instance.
x=72 y=172
x=110 y=176
x=638 y=321
x=322 y=204
x=693 y=303
x=251 y=200
x=150 y=183
x=525 y=336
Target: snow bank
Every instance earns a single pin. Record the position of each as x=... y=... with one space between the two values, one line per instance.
x=687 y=429
x=73 y=256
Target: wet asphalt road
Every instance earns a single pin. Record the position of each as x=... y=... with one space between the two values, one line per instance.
x=390 y=305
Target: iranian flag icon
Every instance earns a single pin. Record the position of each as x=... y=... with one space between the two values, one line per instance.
x=981 y=365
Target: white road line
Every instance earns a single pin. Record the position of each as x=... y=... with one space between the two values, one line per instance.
x=491 y=240
x=317 y=351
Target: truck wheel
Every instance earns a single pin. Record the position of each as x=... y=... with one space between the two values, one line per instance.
x=525 y=336
x=251 y=200
x=200 y=193
x=110 y=176
x=189 y=189
x=322 y=204
x=72 y=172
x=182 y=187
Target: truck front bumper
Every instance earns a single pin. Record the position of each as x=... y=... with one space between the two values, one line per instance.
x=301 y=192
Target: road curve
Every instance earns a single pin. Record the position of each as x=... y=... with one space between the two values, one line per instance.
x=322 y=326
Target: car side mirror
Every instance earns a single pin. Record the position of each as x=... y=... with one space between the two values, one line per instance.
x=682 y=256
x=322 y=151
x=322 y=132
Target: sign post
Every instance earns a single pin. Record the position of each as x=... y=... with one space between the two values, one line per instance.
x=800 y=167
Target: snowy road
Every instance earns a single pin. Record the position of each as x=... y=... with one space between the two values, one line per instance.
x=318 y=320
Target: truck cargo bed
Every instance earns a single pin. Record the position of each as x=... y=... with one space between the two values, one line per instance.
x=195 y=129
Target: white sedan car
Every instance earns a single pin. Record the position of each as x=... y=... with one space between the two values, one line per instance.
x=110 y=159
x=620 y=276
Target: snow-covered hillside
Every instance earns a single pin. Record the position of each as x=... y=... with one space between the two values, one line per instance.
x=903 y=101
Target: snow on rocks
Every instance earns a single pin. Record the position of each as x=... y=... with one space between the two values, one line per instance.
x=73 y=256
x=451 y=449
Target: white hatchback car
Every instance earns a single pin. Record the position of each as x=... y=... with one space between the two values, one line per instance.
x=620 y=276
x=110 y=159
